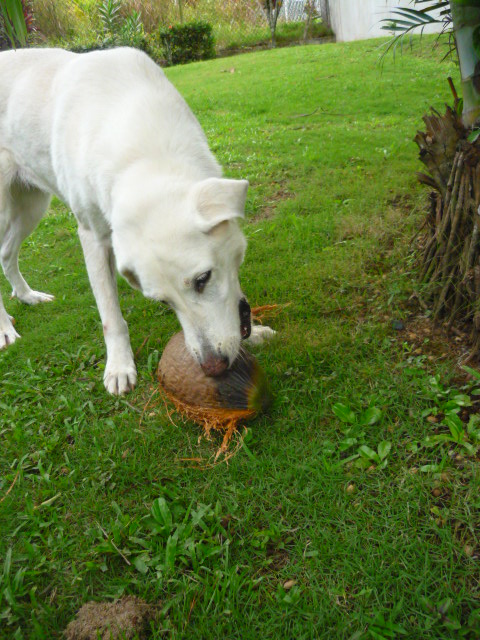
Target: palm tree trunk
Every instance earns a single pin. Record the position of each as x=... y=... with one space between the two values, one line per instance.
x=450 y=246
x=466 y=26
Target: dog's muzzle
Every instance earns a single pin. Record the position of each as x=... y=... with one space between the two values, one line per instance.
x=213 y=366
x=245 y=318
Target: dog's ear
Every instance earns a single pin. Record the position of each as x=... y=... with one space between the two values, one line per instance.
x=218 y=200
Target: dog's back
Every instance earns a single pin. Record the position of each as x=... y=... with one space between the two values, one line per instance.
x=110 y=107
x=26 y=78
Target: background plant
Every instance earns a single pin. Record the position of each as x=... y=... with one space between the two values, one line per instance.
x=236 y=24
x=15 y=23
x=187 y=42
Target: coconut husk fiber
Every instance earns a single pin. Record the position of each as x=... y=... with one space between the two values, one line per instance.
x=125 y=619
x=218 y=403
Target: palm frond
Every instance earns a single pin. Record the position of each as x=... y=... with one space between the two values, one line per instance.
x=409 y=18
x=405 y=21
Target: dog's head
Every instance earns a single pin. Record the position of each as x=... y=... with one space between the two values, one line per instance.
x=186 y=248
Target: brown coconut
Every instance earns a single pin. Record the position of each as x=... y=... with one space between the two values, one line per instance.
x=220 y=402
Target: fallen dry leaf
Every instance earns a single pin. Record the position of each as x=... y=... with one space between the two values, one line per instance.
x=289 y=584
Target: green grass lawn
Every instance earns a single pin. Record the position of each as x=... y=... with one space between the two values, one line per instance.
x=346 y=513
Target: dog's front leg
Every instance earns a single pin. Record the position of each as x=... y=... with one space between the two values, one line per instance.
x=120 y=372
x=260 y=334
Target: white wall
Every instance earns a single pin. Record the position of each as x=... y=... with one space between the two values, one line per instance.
x=360 y=19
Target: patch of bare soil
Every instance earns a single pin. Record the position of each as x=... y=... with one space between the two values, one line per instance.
x=435 y=340
x=269 y=210
x=126 y=618
x=426 y=336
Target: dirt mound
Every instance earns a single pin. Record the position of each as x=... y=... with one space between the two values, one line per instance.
x=126 y=618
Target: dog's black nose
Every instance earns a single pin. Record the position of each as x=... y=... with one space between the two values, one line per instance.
x=245 y=318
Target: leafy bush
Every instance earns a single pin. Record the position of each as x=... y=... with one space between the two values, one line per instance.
x=110 y=15
x=121 y=31
x=188 y=42
x=117 y=30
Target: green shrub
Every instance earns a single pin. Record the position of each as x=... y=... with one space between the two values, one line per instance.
x=117 y=30
x=187 y=42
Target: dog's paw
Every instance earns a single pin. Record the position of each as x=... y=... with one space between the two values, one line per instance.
x=260 y=334
x=120 y=380
x=33 y=297
x=8 y=335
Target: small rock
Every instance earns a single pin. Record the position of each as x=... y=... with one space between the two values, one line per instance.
x=398 y=325
x=289 y=584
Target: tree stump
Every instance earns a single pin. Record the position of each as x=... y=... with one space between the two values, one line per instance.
x=450 y=246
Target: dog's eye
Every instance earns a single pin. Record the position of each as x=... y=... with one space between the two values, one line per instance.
x=201 y=281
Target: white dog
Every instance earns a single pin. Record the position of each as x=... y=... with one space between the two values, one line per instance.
x=110 y=136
